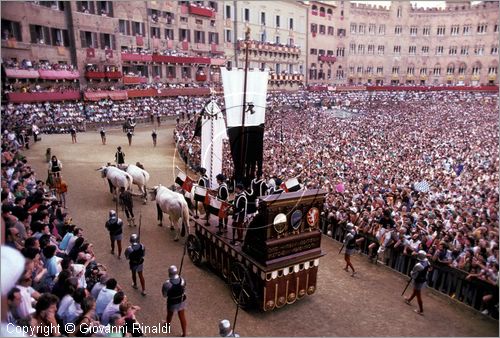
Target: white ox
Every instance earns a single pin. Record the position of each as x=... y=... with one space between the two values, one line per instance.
x=140 y=179
x=116 y=178
x=174 y=205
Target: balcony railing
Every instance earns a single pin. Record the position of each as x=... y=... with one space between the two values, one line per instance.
x=181 y=59
x=201 y=11
x=327 y=58
x=269 y=47
x=136 y=57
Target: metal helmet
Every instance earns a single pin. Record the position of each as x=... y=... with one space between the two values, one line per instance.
x=421 y=255
x=349 y=227
x=134 y=239
x=172 y=272
x=112 y=214
x=224 y=328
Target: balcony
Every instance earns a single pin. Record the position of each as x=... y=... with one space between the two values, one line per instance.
x=327 y=58
x=181 y=59
x=134 y=79
x=59 y=74
x=131 y=57
x=22 y=73
x=201 y=77
x=201 y=11
x=95 y=75
x=269 y=47
x=14 y=44
x=44 y=96
x=113 y=75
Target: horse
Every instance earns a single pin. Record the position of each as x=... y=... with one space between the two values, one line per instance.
x=140 y=178
x=129 y=124
x=116 y=179
x=174 y=205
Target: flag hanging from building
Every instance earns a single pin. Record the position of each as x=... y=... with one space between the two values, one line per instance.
x=90 y=52
x=109 y=53
x=213 y=132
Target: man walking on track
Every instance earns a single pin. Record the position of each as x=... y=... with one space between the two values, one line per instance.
x=103 y=136
x=72 y=130
x=135 y=254
x=154 y=135
x=119 y=156
x=128 y=205
x=129 y=137
x=115 y=227
x=419 y=277
x=350 y=247
x=174 y=290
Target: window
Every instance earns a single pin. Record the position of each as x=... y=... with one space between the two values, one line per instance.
x=40 y=34
x=228 y=35
x=155 y=32
x=290 y=24
x=410 y=71
x=441 y=30
x=380 y=70
x=361 y=49
x=321 y=52
x=371 y=49
x=277 y=39
x=398 y=30
x=169 y=33
x=277 y=21
x=450 y=70
x=399 y=12
x=492 y=70
x=199 y=36
x=322 y=29
x=494 y=50
x=329 y=52
x=340 y=74
x=436 y=71
x=369 y=70
x=381 y=50
x=198 y=22
x=372 y=28
x=184 y=35
x=341 y=32
x=439 y=50
x=263 y=18
x=124 y=27
x=60 y=37
x=314 y=28
x=479 y=50
x=482 y=28
x=313 y=51
x=413 y=31
x=381 y=30
x=340 y=51
x=425 y=50
x=452 y=50
x=351 y=69
x=360 y=70
x=464 y=50
x=467 y=29
x=476 y=69
x=86 y=7
x=353 y=28
x=495 y=29
x=461 y=69
x=246 y=16
x=426 y=30
x=57 y=5
x=213 y=38
x=228 y=12
x=137 y=28
x=423 y=71
x=88 y=39
x=397 y=49
x=331 y=30
x=213 y=5
x=11 y=30
x=107 y=41
x=395 y=70
x=352 y=48
x=105 y=8
x=412 y=50
x=455 y=30
x=361 y=29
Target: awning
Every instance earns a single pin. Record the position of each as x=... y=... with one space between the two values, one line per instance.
x=202 y=11
x=113 y=95
x=327 y=58
x=181 y=59
x=134 y=79
x=44 y=96
x=22 y=73
x=59 y=74
x=95 y=75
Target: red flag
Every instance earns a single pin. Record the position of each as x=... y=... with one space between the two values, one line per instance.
x=283 y=186
x=223 y=209
x=109 y=53
x=207 y=199
x=90 y=52
x=188 y=184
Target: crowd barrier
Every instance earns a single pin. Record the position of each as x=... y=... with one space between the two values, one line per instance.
x=447 y=280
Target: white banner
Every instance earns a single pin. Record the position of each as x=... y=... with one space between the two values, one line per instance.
x=213 y=131
x=233 y=83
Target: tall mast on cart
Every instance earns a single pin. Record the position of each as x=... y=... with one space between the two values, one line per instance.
x=244 y=106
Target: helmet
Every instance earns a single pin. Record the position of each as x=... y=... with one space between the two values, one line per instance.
x=220 y=177
x=421 y=255
x=202 y=170
x=349 y=227
x=134 y=239
x=172 y=272
x=224 y=328
x=112 y=214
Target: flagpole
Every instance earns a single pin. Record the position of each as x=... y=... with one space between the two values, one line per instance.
x=243 y=136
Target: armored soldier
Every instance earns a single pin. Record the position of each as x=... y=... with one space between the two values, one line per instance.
x=240 y=212
x=223 y=195
x=103 y=135
x=419 y=276
x=350 y=247
x=135 y=254
x=115 y=227
x=174 y=290
x=258 y=188
x=225 y=329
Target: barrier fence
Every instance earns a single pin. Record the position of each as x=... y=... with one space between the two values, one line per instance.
x=443 y=278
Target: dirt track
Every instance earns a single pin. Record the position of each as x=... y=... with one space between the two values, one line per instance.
x=367 y=305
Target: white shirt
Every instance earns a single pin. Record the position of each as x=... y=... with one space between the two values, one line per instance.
x=25 y=308
x=105 y=297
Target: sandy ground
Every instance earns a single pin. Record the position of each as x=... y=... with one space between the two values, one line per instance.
x=367 y=305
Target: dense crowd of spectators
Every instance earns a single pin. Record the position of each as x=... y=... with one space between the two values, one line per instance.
x=50 y=274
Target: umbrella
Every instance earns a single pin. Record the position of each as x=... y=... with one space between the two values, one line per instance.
x=422 y=186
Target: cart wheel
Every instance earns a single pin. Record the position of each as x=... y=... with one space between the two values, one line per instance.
x=194 y=249
x=242 y=287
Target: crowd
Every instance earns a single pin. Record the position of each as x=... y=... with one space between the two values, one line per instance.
x=373 y=163
x=50 y=273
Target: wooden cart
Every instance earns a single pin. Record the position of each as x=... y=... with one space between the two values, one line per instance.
x=278 y=261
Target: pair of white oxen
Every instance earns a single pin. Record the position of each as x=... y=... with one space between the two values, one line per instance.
x=167 y=201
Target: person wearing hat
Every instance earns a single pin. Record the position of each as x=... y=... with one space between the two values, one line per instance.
x=225 y=329
x=240 y=212
x=135 y=254
x=419 y=277
x=119 y=156
x=115 y=227
x=223 y=195
x=350 y=246
x=174 y=289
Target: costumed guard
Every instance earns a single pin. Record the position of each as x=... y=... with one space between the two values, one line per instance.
x=419 y=277
x=202 y=182
x=240 y=212
x=115 y=227
x=174 y=290
x=258 y=188
x=223 y=195
x=350 y=247
x=225 y=329
x=135 y=254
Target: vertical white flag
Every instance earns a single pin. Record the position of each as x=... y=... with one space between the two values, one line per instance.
x=213 y=132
